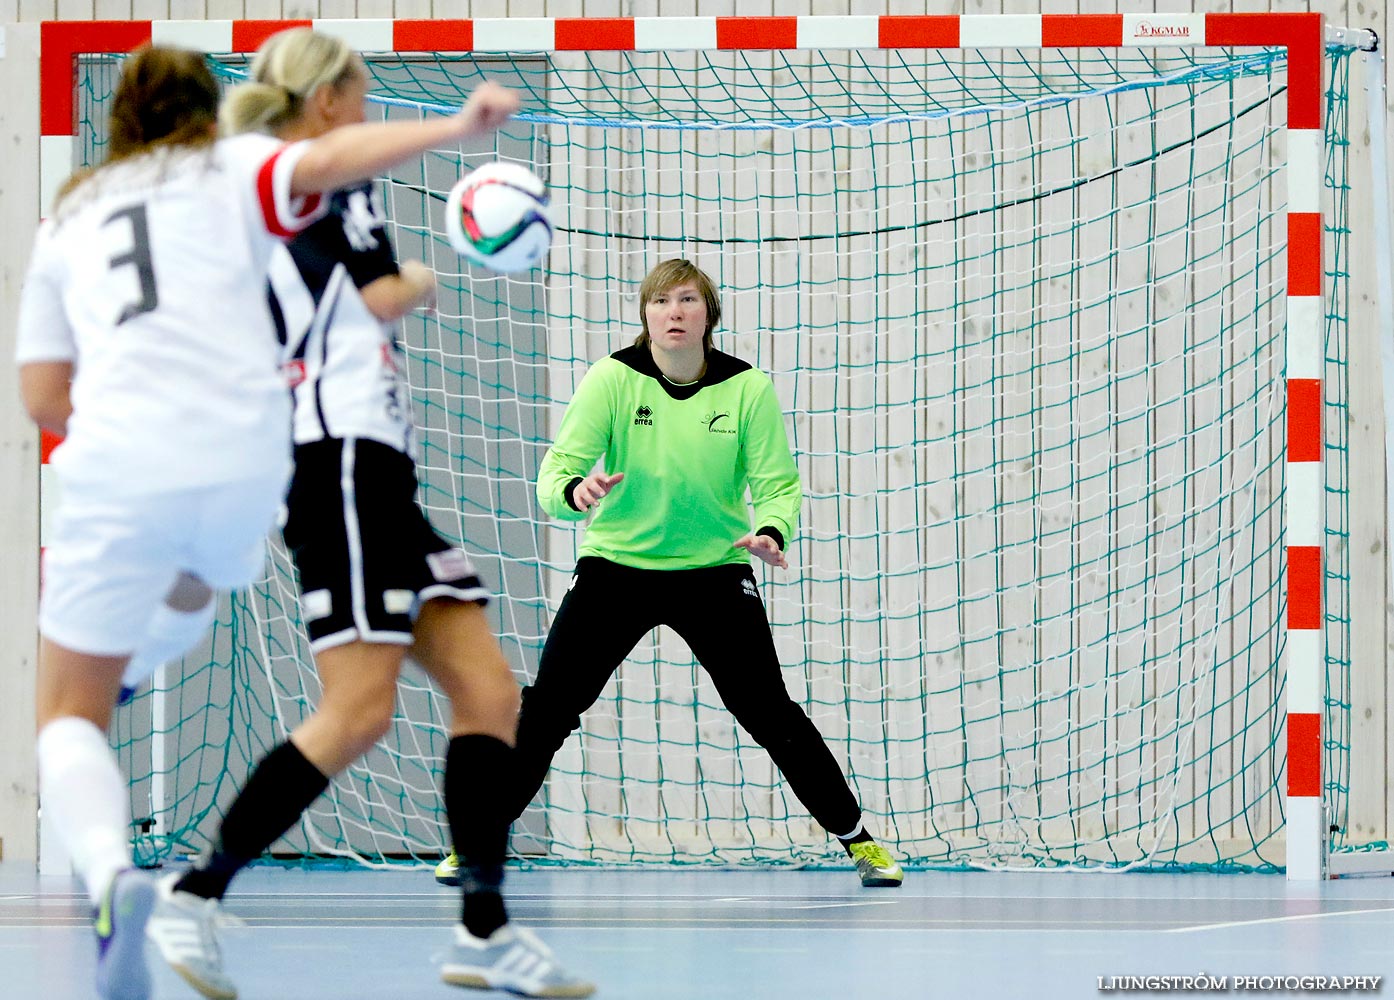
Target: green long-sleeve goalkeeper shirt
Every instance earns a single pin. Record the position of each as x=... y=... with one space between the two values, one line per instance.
x=688 y=454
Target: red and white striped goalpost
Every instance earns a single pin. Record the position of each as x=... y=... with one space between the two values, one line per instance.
x=1301 y=34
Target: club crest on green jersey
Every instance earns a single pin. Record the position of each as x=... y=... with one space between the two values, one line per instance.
x=719 y=422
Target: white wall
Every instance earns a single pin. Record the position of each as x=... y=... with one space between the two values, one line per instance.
x=19 y=457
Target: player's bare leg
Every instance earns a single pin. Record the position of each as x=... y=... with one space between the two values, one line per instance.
x=455 y=645
x=85 y=799
x=360 y=689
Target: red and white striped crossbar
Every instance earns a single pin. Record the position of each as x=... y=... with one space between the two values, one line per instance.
x=1301 y=34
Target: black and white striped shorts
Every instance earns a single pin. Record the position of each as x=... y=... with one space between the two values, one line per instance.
x=366 y=555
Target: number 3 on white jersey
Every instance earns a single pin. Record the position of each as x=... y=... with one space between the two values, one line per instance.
x=138 y=256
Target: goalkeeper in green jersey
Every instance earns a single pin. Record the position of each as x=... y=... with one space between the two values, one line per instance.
x=685 y=431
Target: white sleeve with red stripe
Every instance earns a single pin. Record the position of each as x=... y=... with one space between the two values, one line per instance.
x=44 y=333
x=284 y=215
x=268 y=165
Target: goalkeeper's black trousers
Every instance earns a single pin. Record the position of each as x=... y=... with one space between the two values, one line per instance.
x=718 y=612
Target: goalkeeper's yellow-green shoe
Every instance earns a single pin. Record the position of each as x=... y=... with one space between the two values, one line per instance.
x=448 y=871
x=875 y=865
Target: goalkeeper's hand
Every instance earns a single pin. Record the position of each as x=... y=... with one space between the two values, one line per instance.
x=589 y=491
x=764 y=548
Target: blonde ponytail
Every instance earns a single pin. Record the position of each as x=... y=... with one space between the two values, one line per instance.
x=288 y=68
x=257 y=107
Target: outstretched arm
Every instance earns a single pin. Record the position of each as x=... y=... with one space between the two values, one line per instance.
x=353 y=153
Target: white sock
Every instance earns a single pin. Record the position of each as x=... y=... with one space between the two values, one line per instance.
x=84 y=796
x=855 y=833
x=169 y=635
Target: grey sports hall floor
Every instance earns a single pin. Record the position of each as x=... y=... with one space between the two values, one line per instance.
x=710 y=935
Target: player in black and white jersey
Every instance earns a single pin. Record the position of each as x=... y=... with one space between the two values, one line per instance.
x=140 y=340
x=376 y=580
x=340 y=275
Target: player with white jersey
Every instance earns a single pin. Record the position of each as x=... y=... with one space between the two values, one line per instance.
x=143 y=341
x=97 y=258
x=375 y=578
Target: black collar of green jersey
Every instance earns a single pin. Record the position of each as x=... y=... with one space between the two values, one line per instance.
x=720 y=367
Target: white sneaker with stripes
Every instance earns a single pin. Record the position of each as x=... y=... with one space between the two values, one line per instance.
x=512 y=959
x=184 y=928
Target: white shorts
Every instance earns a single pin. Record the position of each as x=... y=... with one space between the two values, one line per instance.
x=110 y=561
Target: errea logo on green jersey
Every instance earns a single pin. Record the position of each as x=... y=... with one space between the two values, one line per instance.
x=643 y=415
x=719 y=422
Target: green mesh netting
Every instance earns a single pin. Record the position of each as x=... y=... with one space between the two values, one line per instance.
x=1024 y=311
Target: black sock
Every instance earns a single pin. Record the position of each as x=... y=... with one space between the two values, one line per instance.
x=483 y=912
x=279 y=790
x=478 y=780
x=860 y=837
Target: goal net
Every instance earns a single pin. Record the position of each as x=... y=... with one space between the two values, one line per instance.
x=1024 y=311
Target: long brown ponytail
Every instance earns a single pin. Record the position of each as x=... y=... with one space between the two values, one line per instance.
x=166 y=97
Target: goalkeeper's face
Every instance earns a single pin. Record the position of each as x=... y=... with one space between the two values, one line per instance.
x=677 y=317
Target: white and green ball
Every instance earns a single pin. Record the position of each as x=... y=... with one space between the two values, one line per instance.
x=496 y=216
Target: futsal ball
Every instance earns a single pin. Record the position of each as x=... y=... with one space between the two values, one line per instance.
x=496 y=216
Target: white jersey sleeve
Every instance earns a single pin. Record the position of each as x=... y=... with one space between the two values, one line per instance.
x=266 y=166
x=44 y=333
